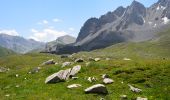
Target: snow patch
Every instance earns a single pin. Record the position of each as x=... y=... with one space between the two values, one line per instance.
x=158 y=8
x=150 y=23
x=165 y=20
x=162 y=7
x=155 y=25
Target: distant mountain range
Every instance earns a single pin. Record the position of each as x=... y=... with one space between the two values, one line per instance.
x=19 y=44
x=135 y=23
x=59 y=43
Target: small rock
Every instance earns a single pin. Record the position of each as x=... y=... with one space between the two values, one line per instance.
x=127 y=59
x=140 y=98
x=65 y=56
x=49 y=62
x=7 y=95
x=98 y=88
x=56 y=63
x=89 y=79
x=107 y=58
x=102 y=99
x=136 y=90
x=91 y=59
x=123 y=97
x=92 y=79
x=73 y=86
x=17 y=86
x=16 y=75
x=25 y=78
x=74 y=78
x=105 y=76
x=97 y=59
x=79 y=60
x=66 y=64
x=107 y=81
x=3 y=69
x=34 y=70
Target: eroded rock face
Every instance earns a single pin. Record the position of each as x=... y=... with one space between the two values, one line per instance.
x=63 y=75
x=98 y=88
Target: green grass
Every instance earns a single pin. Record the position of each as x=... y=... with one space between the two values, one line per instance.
x=151 y=75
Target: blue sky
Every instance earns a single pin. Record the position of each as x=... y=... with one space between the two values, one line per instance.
x=45 y=20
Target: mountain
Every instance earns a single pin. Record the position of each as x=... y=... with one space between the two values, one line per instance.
x=59 y=42
x=5 y=52
x=19 y=44
x=135 y=23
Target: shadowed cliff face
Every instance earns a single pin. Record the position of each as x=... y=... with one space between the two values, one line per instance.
x=135 y=23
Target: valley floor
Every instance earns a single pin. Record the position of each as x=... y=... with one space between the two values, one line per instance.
x=151 y=75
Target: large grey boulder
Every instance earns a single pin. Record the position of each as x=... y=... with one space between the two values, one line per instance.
x=3 y=69
x=60 y=76
x=75 y=70
x=98 y=88
x=63 y=75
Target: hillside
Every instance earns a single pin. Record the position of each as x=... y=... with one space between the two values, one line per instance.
x=5 y=52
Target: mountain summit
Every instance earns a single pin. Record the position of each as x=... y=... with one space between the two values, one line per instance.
x=135 y=23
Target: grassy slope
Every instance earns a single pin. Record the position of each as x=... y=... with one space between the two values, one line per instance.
x=147 y=70
x=5 y=52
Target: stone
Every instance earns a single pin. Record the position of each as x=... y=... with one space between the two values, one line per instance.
x=105 y=76
x=75 y=70
x=7 y=95
x=49 y=62
x=3 y=69
x=107 y=58
x=64 y=56
x=60 y=76
x=140 y=98
x=92 y=79
x=35 y=70
x=98 y=88
x=136 y=90
x=16 y=75
x=73 y=86
x=126 y=59
x=89 y=79
x=97 y=59
x=56 y=63
x=107 y=81
x=79 y=60
x=123 y=97
x=66 y=64
x=63 y=75
x=91 y=59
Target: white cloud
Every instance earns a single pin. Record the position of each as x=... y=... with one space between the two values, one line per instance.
x=71 y=29
x=56 y=20
x=9 y=32
x=46 y=35
x=43 y=22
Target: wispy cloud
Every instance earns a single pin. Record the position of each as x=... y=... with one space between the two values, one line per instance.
x=71 y=29
x=56 y=20
x=43 y=22
x=12 y=32
x=46 y=34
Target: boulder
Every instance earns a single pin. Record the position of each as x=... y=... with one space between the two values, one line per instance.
x=66 y=64
x=60 y=76
x=98 y=88
x=107 y=81
x=75 y=70
x=3 y=69
x=136 y=90
x=79 y=60
x=74 y=86
x=49 y=62
x=63 y=75
x=105 y=76
x=140 y=98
